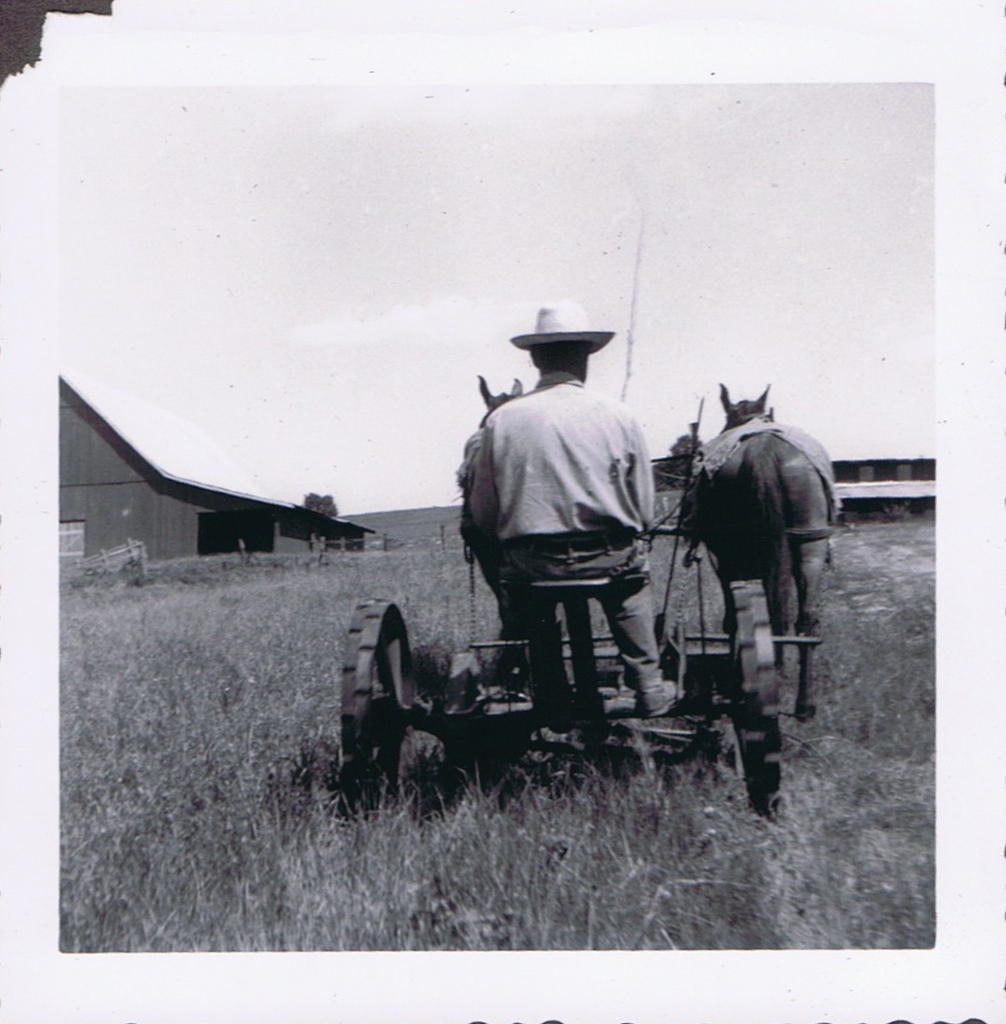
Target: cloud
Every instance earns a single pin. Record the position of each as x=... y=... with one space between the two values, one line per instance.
x=441 y=323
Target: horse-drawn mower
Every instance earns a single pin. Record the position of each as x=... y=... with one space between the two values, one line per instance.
x=728 y=685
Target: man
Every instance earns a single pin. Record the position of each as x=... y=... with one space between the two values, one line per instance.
x=562 y=479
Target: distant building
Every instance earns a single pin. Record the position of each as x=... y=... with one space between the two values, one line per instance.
x=864 y=485
x=879 y=470
x=869 y=486
x=110 y=492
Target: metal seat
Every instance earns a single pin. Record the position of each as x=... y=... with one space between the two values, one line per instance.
x=575 y=587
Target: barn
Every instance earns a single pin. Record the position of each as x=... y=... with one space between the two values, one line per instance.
x=110 y=492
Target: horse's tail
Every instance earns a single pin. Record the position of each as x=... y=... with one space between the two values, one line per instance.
x=760 y=475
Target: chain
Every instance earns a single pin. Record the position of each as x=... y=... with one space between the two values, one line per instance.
x=471 y=599
x=702 y=604
x=680 y=593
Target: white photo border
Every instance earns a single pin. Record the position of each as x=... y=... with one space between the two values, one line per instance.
x=955 y=46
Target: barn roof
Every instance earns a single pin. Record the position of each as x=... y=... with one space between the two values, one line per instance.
x=162 y=438
x=883 y=458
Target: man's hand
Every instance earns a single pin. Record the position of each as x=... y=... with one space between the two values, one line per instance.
x=692 y=556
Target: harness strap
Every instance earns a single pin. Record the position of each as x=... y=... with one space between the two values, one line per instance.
x=803 y=535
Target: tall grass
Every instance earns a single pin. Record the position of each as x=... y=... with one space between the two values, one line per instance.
x=200 y=721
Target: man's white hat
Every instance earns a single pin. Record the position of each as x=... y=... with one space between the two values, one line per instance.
x=563 y=321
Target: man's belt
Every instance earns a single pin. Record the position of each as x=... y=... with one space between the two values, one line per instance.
x=563 y=543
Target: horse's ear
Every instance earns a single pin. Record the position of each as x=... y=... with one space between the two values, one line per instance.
x=484 y=392
x=725 y=398
x=764 y=398
x=517 y=389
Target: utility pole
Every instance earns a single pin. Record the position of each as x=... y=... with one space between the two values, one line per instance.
x=630 y=334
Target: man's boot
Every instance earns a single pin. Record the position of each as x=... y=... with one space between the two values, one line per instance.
x=656 y=699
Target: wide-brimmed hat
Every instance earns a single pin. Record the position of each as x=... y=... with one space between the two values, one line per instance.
x=563 y=321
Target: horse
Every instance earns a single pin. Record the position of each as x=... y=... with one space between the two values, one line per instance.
x=485 y=550
x=764 y=505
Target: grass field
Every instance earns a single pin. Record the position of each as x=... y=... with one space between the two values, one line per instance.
x=199 y=720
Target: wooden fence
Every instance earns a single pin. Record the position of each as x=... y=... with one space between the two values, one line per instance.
x=132 y=554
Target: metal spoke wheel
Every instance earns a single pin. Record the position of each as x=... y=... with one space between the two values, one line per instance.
x=377 y=697
x=755 y=710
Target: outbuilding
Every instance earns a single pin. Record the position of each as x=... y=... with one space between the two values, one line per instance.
x=111 y=492
x=865 y=487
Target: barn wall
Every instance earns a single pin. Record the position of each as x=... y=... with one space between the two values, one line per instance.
x=114 y=513
x=166 y=520
x=88 y=453
x=167 y=523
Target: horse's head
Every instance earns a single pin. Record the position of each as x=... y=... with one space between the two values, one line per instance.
x=745 y=410
x=492 y=402
x=495 y=401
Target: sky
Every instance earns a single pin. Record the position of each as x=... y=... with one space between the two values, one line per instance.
x=315 y=276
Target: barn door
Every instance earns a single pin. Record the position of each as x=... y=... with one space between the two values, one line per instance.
x=71 y=540
x=219 y=532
